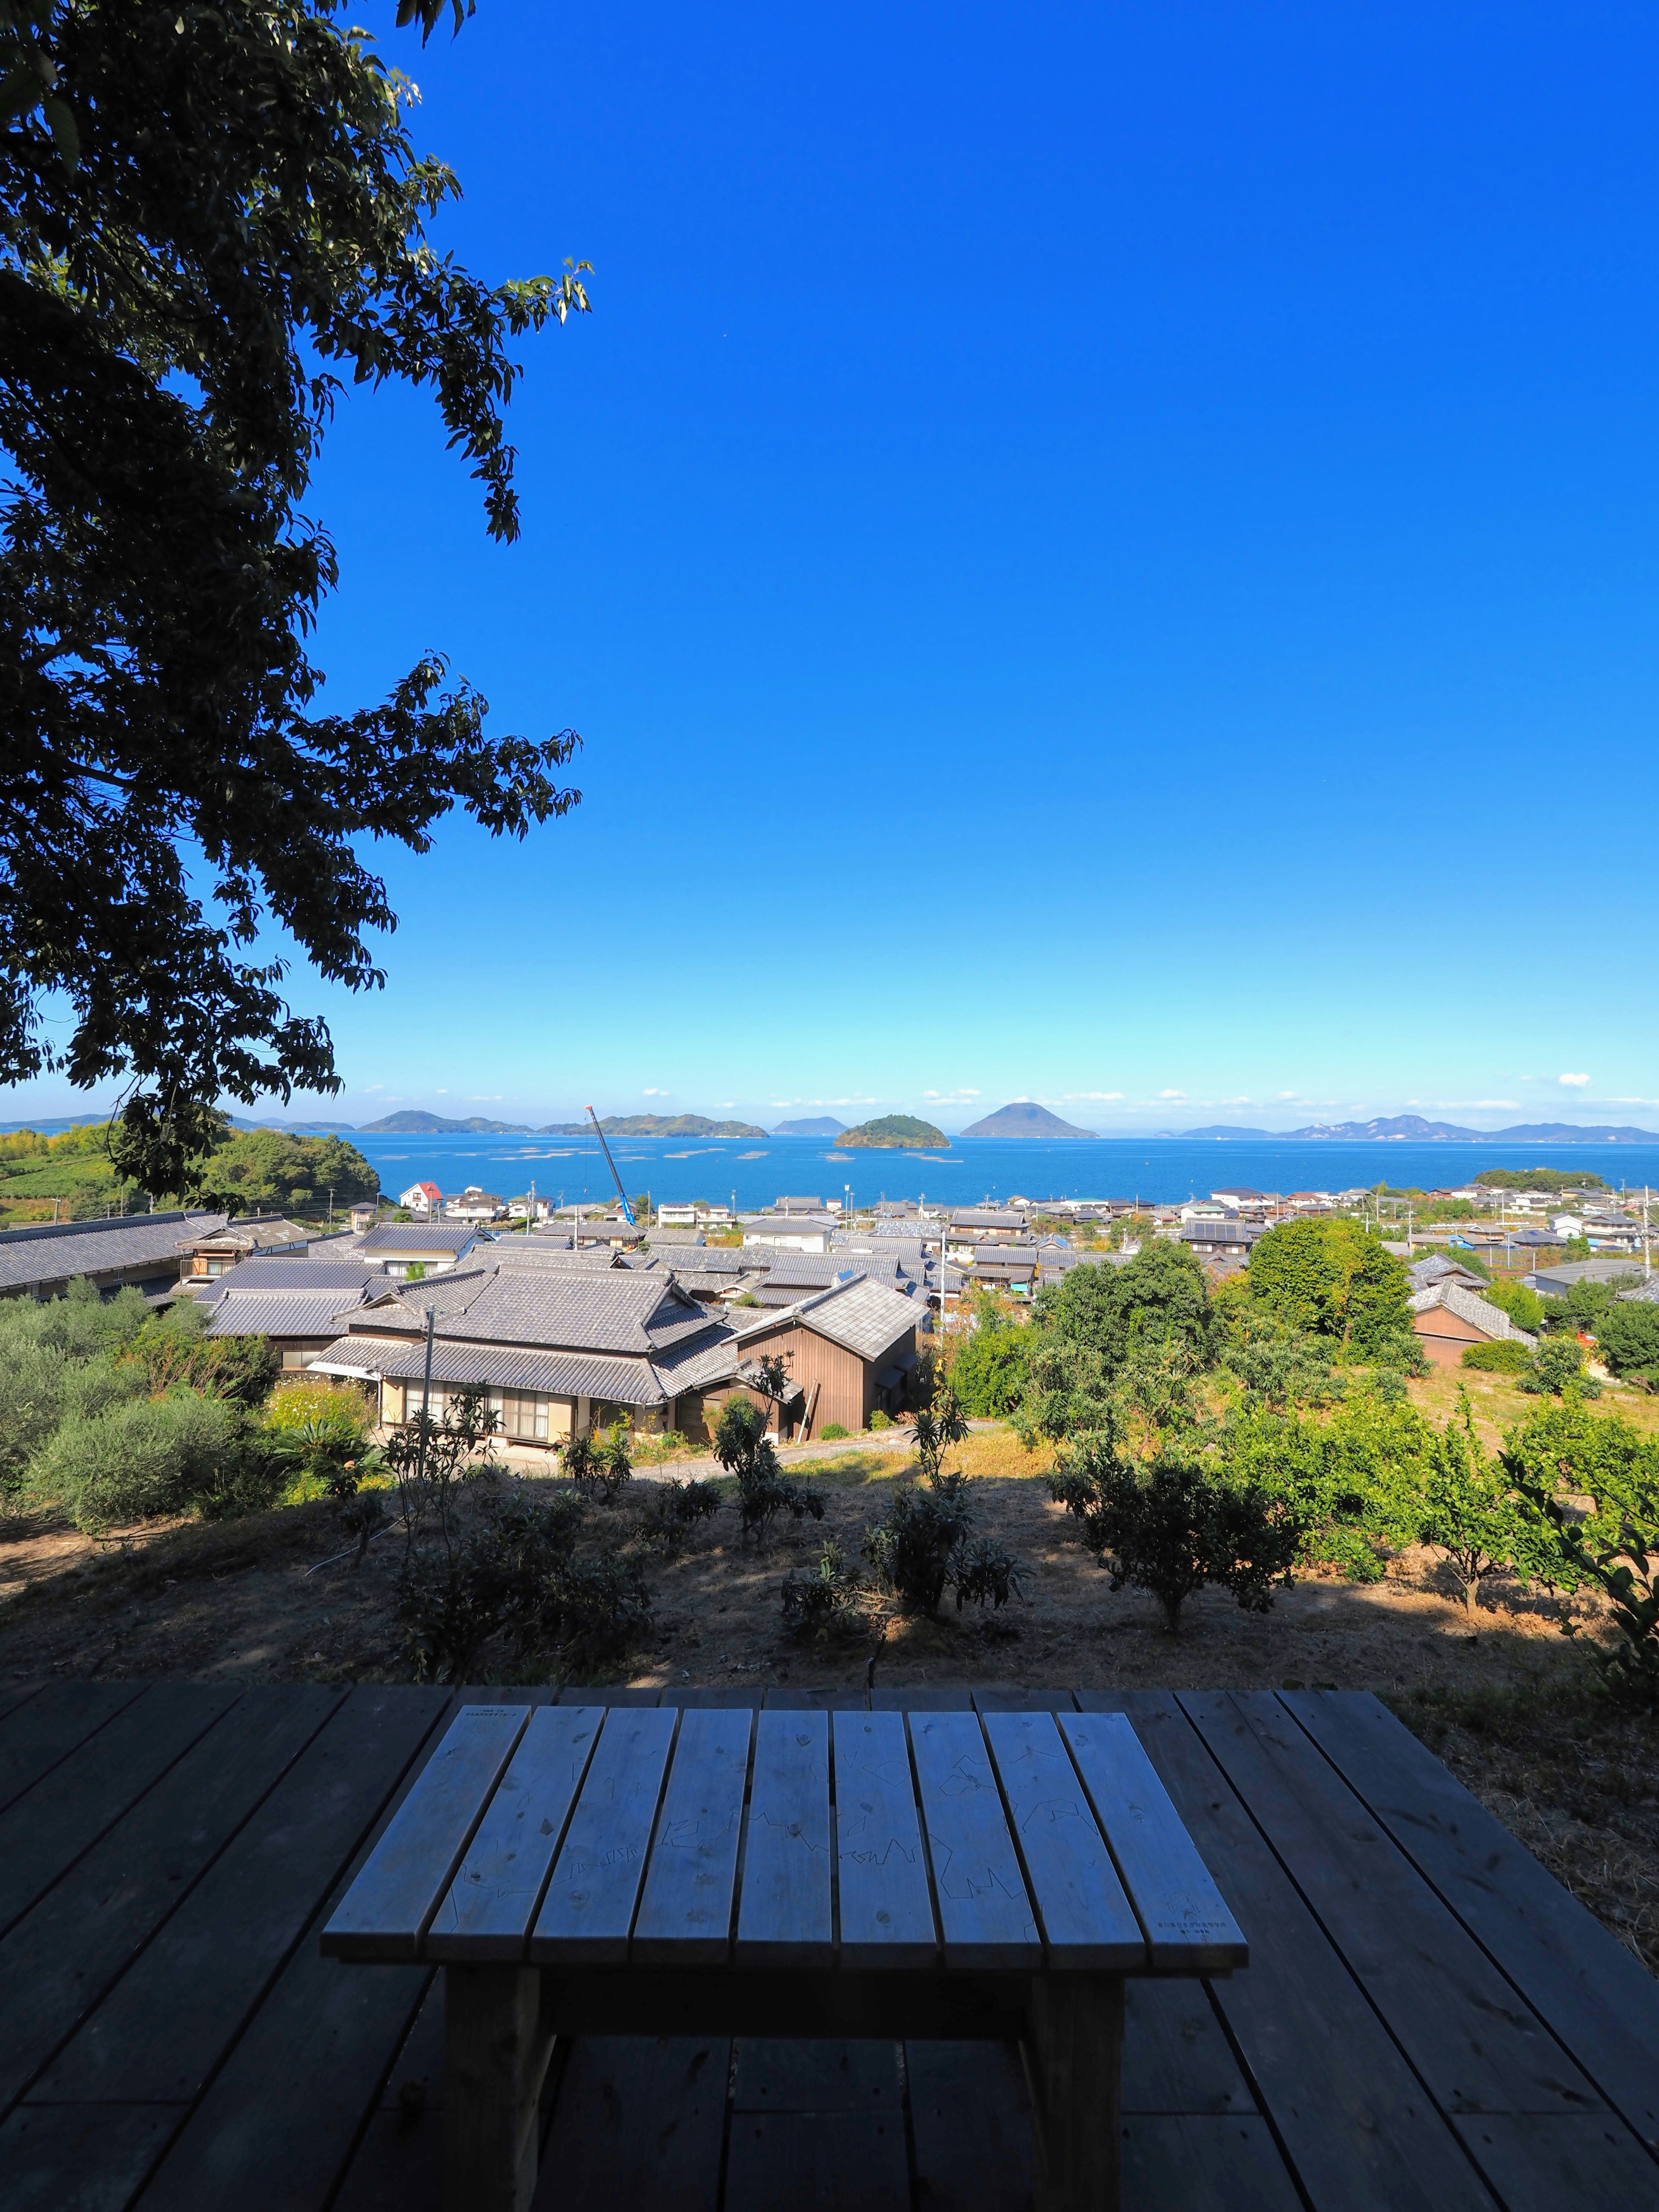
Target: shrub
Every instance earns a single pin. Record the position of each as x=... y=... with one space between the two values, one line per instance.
x=826 y=1603
x=1559 y=1366
x=832 y=1431
x=1154 y=1310
x=1471 y=1512
x=598 y=1608
x=1504 y=1355
x=173 y=1347
x=182 y=1453
x=743 y=1448
x=992 y=1368
x=1524 y=1307
x=600 y=1468
x=880 y=1421
x=675 y=1510
x=1279 y=1364
x=1627 y=1336
x=1174 y=1526
x=926 y=1545
x=1562 y=1450
x=454 y=1596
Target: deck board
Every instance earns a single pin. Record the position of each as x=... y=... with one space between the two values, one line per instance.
x=216 y=2059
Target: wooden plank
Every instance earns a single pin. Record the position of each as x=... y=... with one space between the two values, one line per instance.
x=946 y=1698
x=784 y=1908
x=986 y=1917
x=93 y=2158
x=1562 y=2162
x=598 y=1693
x=386 y=1913
x=164 y=2027
x=56 y=1721
x=686 y=1912
x=1204 y=2164
x=320 y=2045
x=1358 y=2125
x=58 y=1960
x=1016 y=1697
x=46 y=1831
x=1187 y=1922
x=496 y=2048
x=854 y=2162
x=588 y=1909
x=639 y=2122
x=1087 y=1921
x=818 y=1701
x=970 y=2122
x=490 y=1906
x=1598 y=1999
x=886 y=1911
x=13 y=1694
x=398 y=2164
x=720 y=1701
x=1474 y=2045
x=785 y=2073
x=1176 y=2057
x=848 y=2160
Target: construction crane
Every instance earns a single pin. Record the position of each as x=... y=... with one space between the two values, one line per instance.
x=628 y=1211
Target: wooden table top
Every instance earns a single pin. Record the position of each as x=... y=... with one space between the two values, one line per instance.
x=585 y=1837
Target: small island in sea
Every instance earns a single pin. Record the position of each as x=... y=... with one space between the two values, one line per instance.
x=897 y=1132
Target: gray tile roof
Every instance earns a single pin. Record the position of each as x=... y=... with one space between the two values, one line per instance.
x=1491 y=1320
x=278 y=1274
x=280 y=1313
x=394 y=1238
x=254 y=1233
x=1557 y=1281
x=867 y=1317
x=1423 y=1274
x=58 y=1252
x=985 y=1217
x=604 y=1310
x=505 y=1367
x=521 y=1252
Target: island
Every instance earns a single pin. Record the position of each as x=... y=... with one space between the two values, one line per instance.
x=655 y=1125
x=434 y=1125
x=1025 y=1118
x=897 y=1132
x=819 y=1125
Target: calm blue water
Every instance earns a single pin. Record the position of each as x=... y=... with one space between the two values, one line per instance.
x=570 y=1170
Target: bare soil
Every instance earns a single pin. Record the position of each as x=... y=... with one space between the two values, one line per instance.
x=1497 y=1691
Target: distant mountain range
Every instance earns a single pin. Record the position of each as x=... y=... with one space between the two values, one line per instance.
x=820 y=1125
x=412 y=1123
x=1414 y=1127
x=655 y=1125
x=1025 y=1119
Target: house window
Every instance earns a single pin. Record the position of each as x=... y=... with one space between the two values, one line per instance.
x=521 y=1414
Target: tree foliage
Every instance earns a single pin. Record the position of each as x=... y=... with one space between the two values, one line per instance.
x=213 y=216
x=1153 y=1311
x=992 y=1367
x=1332 y=1279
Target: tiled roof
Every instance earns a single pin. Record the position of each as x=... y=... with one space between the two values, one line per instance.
x=865 y=1317
x=278 y=1274
x=985 y=1216
x=414 y=1238
x=1423 y=1274
x=505 y=1367
x=605 y=1311
x=280 y=1313
x=523 y=1252
x=1491 y=1320
x=57 y=1252
x=254 y=1233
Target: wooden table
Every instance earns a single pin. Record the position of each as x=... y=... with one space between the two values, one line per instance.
x=579 y=1871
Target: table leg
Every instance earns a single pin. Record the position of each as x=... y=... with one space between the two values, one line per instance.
x=1074 y=2056
x=496 y=2056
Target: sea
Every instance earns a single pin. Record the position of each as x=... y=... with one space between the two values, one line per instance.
x=750 y=1173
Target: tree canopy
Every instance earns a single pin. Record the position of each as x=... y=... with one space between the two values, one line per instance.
x=212 y=215
x=268 y=1167
x=1333 y=1279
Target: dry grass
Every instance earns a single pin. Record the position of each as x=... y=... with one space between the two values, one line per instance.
x=1498 y=1405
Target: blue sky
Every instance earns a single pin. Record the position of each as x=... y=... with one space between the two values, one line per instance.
x=1103 y=554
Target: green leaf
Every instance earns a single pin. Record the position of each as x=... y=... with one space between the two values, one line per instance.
x=62 y=120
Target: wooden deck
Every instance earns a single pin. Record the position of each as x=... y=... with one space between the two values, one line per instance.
x=1428 y=2020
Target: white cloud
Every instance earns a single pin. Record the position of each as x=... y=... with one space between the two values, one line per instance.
x=1172 y=1094
x=1577 y=1081
x=1287 y=1094
x=441 y=1094
x=650 y=1092
x=722 y=1106
x=1069 y=1095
